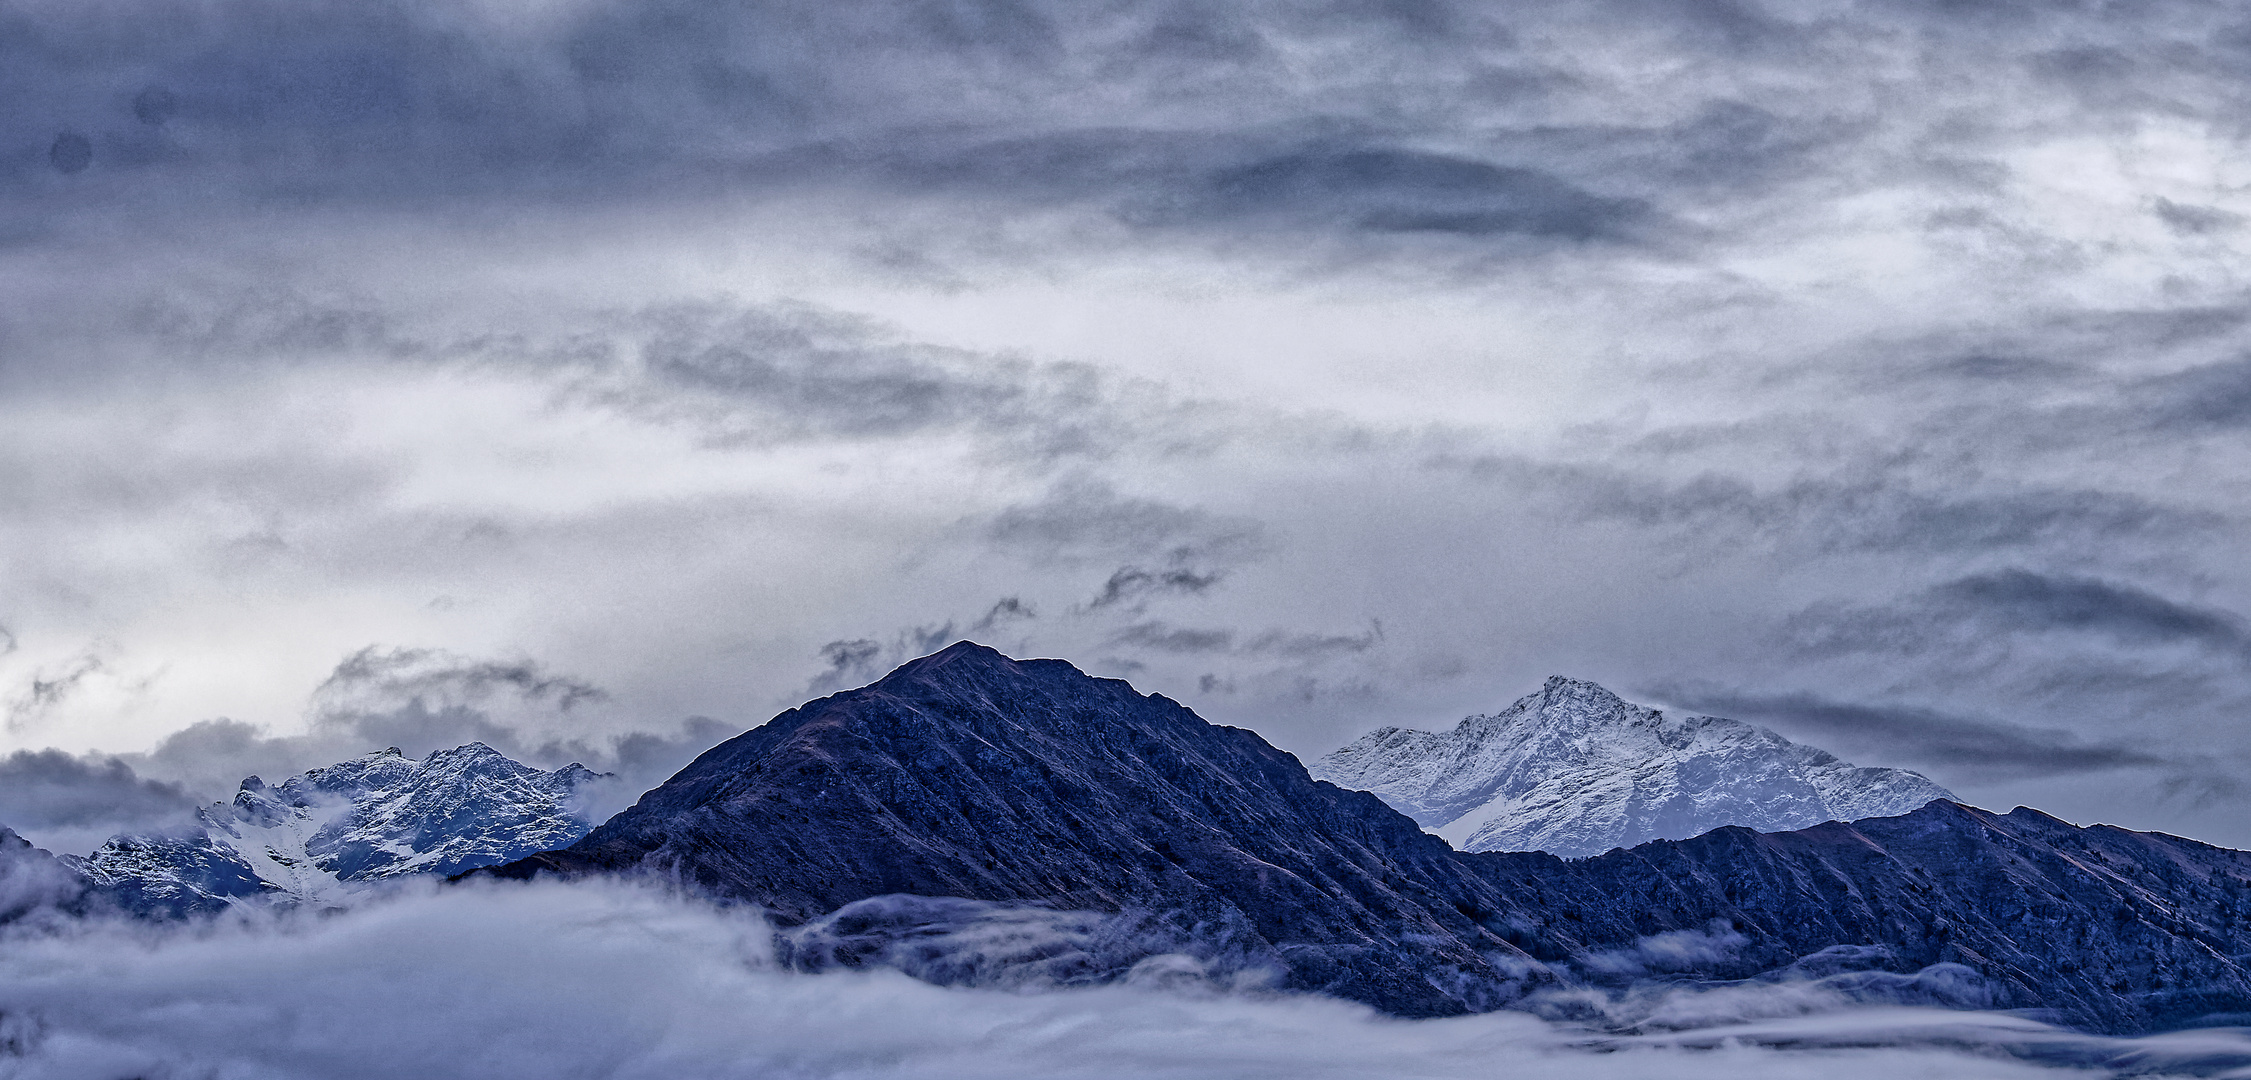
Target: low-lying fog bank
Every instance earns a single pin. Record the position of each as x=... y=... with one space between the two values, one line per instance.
x=604 y=979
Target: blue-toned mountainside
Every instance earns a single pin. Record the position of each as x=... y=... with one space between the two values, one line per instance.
x=966 y=774
x=379 y=816
x=969 y=775
x=1574 y=770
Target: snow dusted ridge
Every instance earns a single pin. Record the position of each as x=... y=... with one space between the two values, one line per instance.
x=1573 y=770
x=379 y=816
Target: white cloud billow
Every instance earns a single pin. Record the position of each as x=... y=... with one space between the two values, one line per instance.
x=628 y=982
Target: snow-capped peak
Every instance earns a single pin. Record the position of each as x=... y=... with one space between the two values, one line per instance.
x=1575 y=770
x=380 y=815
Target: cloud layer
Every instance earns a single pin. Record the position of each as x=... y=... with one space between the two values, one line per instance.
x=1873 y=370
x=624 y=981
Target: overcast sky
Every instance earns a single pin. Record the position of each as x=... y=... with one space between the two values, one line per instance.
x=408 y=371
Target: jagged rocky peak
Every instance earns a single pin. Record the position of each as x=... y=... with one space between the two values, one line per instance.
x=1575 y=770
x=380 y=815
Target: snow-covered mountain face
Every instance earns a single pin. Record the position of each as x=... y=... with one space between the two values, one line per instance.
x=1574 y=770
x=375 y=817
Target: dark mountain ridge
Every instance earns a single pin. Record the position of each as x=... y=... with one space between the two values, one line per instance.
x=966 y=774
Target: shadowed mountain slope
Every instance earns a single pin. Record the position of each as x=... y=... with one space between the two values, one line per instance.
x=967 y=774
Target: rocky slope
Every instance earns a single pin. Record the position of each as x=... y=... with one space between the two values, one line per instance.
x=1031 y=786
x=966 y=774
x=1573 y=770
x=379 y=816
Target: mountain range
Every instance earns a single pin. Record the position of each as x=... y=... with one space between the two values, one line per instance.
x=876 y=822
x=971 y=818
x=1574 y=770
x=313 y=837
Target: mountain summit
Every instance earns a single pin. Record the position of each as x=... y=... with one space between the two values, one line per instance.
x=968 y=774
x=1574 y=770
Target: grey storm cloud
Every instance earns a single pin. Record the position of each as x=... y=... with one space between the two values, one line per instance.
x=1130 y=587
x=2187 y=218
x=384 y=100
x=2203 y=398
x=1863 y=508
x=1005 y=610
x=739 y=374
x=1351 y=183
x=1631 y=335
x=855 y=661
x=2022 y=599
x=1972 y=611
x=1916 y=735
x=1395 y=191
x=48 y=687
x=1175 y=550
x=831 y=372
x=758 y=375
x=1164 y=637
x=1167 y=116
x=850 y=662
x=47 y=790
x=2000 y=367
x=1174 y=639
x=1083 y=519
x=408 y=675
x=1305 y=646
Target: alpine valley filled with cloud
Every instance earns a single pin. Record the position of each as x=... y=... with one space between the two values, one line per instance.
x=1155 y=538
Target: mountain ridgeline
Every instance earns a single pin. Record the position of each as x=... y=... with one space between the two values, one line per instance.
x=1573 y=770
x=969 y=775
x=314 y=837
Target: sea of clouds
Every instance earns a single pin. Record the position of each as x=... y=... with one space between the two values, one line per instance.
x=623 y=980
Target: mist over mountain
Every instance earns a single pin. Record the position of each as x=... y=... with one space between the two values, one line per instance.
x=552 y=979
x=594 y=380
x=971 y=776
x=1574 y=770
x=33 y=881
x=313 y=837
